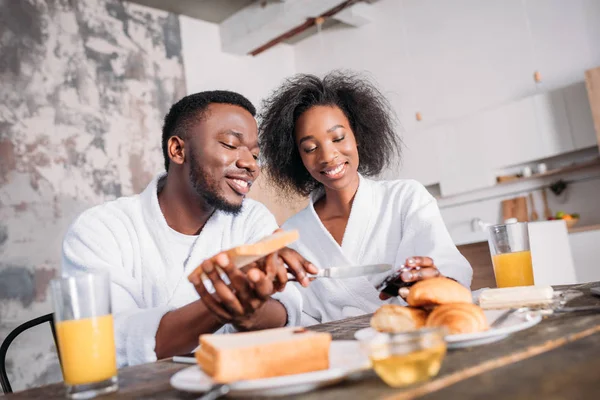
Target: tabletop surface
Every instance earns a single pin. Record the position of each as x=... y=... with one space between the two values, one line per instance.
x=557 y=359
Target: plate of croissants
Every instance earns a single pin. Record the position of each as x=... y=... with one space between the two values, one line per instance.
x=442 y=302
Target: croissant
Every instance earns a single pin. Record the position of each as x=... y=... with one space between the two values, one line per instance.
x=458 y=318
x=392 y=318
x=436 y=291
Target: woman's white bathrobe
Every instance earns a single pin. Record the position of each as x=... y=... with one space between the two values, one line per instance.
x=130 y=238
x=389 y=222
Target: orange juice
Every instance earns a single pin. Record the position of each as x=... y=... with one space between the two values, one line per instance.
x=513 y=269
x=87 y=349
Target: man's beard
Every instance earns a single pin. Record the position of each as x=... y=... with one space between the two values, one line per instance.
x=209 y=190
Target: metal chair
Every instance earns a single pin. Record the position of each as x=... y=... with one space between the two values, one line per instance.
x=12 y=336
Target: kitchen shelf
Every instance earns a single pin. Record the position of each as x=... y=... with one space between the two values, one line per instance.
x=584 y=228
x=557 y=171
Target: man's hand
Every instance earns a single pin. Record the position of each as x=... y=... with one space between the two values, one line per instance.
x=251 y=286
x=418 y=269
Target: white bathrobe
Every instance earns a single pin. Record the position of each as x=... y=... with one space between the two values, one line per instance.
x=129 y=237
x=389 y=222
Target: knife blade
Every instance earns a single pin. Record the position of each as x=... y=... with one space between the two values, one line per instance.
x=348 y=272
x=561 y=310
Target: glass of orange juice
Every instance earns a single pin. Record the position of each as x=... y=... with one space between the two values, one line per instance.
x=511 y=257
x=84 y=329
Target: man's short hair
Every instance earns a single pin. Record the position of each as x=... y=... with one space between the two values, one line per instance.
x=192 y=108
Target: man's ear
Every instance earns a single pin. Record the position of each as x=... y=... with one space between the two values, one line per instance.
x=176 y=150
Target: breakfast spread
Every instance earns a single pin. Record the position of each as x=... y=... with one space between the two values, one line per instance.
x=263 y=354
x=436 y=302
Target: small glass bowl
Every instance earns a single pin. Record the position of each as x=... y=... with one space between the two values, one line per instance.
x=402 y=359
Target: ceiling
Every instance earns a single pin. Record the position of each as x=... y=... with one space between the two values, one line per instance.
x=217 y=11
x=208 y=10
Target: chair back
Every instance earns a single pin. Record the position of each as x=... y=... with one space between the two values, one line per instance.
x=6 y=388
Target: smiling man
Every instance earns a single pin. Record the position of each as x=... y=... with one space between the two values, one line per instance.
x=150 y=242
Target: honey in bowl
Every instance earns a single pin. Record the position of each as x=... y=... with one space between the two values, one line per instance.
x=402 y=359
x=406 y=369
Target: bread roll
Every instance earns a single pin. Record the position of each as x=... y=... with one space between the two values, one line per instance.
x=245 y=254
x=435 y=291
x=458 y=318
x=263 y=354
x=392 y=318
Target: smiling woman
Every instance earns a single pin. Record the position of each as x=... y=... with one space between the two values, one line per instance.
x=351 y=104
x=323 y=138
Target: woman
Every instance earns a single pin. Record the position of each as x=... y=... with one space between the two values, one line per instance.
x=323 y=138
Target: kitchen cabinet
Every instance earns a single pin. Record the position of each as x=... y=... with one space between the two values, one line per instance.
x=514 y=137
x=553 y=130
x=419 y=155
x=527 y=130
x=464 y=162
x=580 y=116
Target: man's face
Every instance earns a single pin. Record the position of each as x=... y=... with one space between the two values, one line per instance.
x=222 y=150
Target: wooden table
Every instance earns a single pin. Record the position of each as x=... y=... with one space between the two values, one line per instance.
x=556 y=359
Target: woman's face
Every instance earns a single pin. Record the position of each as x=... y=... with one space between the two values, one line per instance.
x=327 y=146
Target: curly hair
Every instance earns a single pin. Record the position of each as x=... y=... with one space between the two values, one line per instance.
x=192 y=108
x=369 y=113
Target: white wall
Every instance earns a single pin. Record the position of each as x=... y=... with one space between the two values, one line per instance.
x=207 y=67
x=452 y=59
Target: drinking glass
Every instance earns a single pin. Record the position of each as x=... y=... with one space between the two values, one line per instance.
x=511 y=256
x=84 y=329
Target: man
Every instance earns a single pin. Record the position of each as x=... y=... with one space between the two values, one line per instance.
x=150 y=242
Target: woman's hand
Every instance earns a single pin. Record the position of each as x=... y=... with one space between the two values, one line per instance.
x=417 y=269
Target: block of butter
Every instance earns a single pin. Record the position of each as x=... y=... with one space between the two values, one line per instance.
x=263 y=354
x=514 y=297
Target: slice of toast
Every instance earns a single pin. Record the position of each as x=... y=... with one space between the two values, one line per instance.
x=246 y=254
x=263 y=354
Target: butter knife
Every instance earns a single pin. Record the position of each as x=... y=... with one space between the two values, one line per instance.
x=348 y=272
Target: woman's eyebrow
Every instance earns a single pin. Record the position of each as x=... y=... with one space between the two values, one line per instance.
x=305 y=138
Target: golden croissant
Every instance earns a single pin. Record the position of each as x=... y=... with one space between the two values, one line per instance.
x=458 y=318
x=392 y=318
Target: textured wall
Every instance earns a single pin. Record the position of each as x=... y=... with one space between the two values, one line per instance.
x=84 y=85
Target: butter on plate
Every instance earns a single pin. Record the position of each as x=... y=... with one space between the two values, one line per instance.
x=515 y=297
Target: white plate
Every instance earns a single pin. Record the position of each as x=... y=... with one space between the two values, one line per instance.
x=514 y=323
x=344 y=356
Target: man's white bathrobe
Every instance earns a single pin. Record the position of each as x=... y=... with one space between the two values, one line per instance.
x=390 y=221
x=130 y=238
